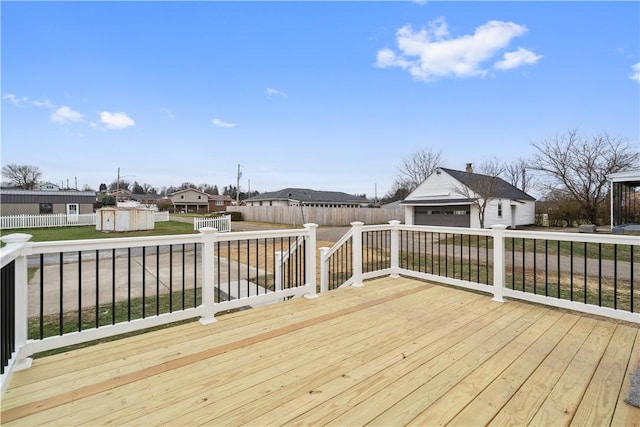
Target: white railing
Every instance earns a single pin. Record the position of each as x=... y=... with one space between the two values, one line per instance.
x=220 y=223
x=58 y=220
x=565 y=270
x=88 y=271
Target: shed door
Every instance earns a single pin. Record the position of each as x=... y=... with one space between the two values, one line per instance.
x=72 y=212
x=446 y=216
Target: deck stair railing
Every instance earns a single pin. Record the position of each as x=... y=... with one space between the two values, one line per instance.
x=56 y=294
x=592 y=273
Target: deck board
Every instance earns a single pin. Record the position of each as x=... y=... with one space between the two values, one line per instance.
x=395 y=352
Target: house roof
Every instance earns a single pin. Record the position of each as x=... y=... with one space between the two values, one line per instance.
x=631 y=176
x=139 y=196
x=187 y=190
x=435 y=202
x=44 y=196
x=224 y=197
x=305 y=195
x=475 y=181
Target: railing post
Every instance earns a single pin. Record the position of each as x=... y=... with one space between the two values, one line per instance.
x=310 y=262
x=357 y=253
x=209 y=237
x=324 y=269
x=498 y=261
x=278 y=273
x=395 y=249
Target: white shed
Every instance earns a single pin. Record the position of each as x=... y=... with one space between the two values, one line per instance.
x=124 y=219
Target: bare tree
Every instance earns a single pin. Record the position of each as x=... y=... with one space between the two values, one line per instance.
x=122 y=185
x=579 y=166
x=515 y=173
x=482 y=187
x=417 y=167
x=25 y=177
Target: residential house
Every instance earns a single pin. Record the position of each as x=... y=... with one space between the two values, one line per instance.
x=48 y=186
x=306 y=197
x=39 y=202
x=447 y=196
x=219 y=203
x=120 y=194
x=147 y=201
x=190 y=200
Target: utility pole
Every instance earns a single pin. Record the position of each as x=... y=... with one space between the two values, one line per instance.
x=375 y=194
x=238 y=186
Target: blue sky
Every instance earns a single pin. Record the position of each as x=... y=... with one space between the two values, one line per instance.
x=322 y=95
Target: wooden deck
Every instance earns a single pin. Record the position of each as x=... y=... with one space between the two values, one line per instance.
x=395 y=352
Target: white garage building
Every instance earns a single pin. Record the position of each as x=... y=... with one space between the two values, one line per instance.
x=446 y=198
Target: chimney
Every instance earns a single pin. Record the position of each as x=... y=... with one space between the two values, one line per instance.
x=469 y=168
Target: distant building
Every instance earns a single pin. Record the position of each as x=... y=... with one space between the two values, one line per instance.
x=447 y=196
x=219 y=203
x=306 y=197
x=39 y=202
x=47 y=186
x=190 y=200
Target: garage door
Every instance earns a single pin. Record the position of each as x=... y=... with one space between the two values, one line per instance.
x=447 y=216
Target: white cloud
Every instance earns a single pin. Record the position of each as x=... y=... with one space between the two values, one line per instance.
x=43 y=104
x=516 y=59
x=635 y=75
x=220 y=124
x=116 y=120
x=168 y=113
x=14 y=99
x=431 y=52
x=275 y=92
x=65 y=114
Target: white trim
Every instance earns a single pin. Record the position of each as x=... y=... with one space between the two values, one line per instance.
x=36 y=346
x=573 y=305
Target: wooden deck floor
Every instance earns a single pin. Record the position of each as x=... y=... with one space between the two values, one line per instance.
x=395 y=352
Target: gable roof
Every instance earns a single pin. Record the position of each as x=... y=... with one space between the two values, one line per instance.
x=44 y=196
x=187 y=190
x=305 y=195
x=223 y=197
x=476 y=181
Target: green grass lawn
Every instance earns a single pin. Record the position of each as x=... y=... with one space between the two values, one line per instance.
x=82 y=232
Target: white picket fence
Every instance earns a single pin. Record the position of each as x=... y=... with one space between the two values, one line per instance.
x=57 y=220
x=221 y=223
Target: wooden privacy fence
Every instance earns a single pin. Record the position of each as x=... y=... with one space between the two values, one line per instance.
x=57 y=220
x=296 y=215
